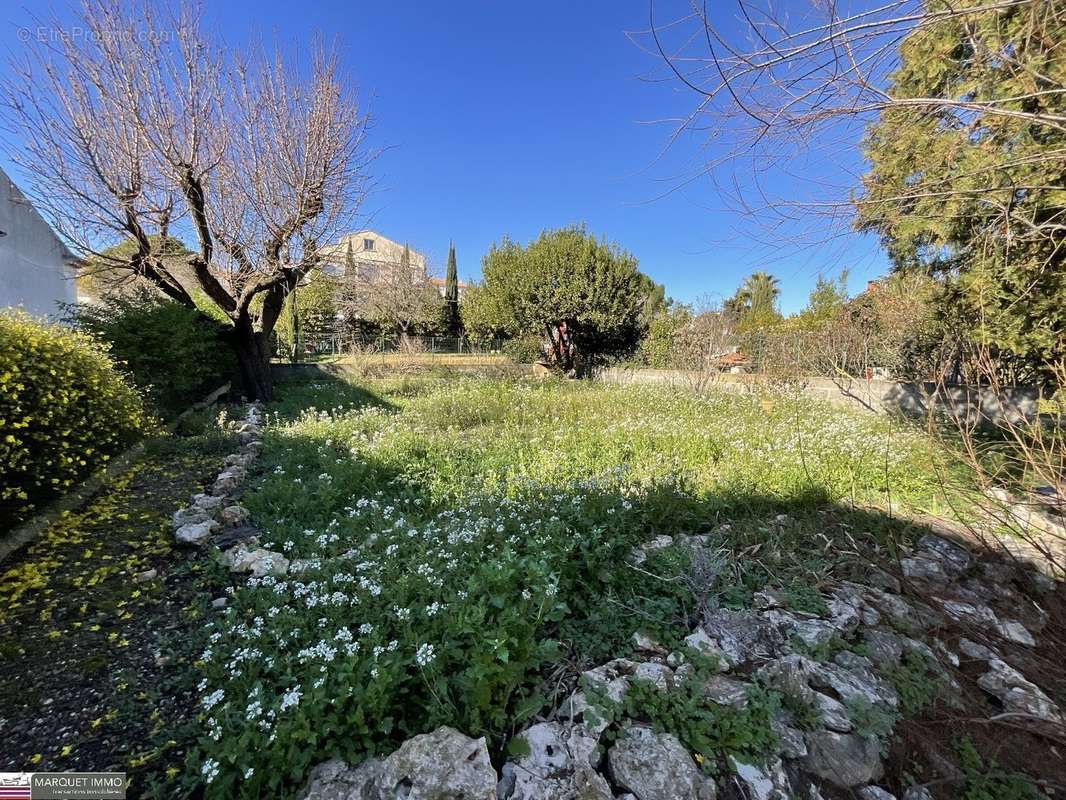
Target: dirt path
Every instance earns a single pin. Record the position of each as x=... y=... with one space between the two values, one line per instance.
x=86 y=615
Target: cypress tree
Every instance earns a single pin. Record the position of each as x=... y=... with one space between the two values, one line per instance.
x=452 y=322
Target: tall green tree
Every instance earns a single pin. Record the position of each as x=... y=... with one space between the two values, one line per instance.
x=582 y=296
x=453 y=325
x=755 y=303
x=973 y=191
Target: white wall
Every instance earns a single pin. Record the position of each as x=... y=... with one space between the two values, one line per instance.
x=36 y=269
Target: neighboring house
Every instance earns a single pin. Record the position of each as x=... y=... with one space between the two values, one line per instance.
x=442 y=285
x=372 y=254
x=36 y=269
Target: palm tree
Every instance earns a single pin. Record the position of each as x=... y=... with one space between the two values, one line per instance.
x=757 y=296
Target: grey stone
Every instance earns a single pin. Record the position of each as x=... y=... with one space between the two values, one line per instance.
x=812 y=632
x=744 y=636
x=954 y=559
x=875 y=793
x=206 y=502
x=335 y=780
x=559 y=764
x=661 y=676
x=234 y=516
x=834 y=714
x=442 y=765
x=790 y=741
x=885 y=647
x=219 y=602
x=640 y=554
x=847 y=610
x=789 y=674
x=929 y=570
x=853 y=684
x=192 y=515
x=845 y=760
x=917 y=793
x=1027 y=705
x=653 y=766
x=726 y=691
x=702 y=643
x=147 y=575
x=195 y=532
x=850 y=660
x=259 y=561
x=769 y=598
x=644 y=643
x=1014 y=631
x=976 y=651
x=762 y=783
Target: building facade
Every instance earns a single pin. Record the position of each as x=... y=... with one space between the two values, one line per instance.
x=37 y=271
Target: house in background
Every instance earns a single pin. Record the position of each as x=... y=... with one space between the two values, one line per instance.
x=373 y=255
x=36 y=269
x=441 y=286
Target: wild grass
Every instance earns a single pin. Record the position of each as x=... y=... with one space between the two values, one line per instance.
x=463 y=550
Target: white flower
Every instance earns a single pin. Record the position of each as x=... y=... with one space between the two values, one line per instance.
x=209 y=770
x=249 y=772
x=291 y=698
x=425 y=655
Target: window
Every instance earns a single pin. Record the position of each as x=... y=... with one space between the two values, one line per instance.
x=368 y=244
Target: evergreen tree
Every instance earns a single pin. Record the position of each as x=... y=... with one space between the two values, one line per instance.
x=974 y=191
x=452 y=322
x=349 y=261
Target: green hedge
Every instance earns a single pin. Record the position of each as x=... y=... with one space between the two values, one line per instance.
x=64 y=411
x=176 y=354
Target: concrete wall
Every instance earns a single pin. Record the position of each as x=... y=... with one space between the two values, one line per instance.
x=973 y=403
x=36 y=269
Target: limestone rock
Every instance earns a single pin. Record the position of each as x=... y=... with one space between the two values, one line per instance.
x=744 y=636
x=335 y=780
x=195 y=532
x=845 y=760
x=953 y=558
x=654 y=766
x=762 y=783
x=702 y=643
x=559 y=765
x=1020 y=697
x=191 y=515
x=259 y=561
x=726 y=691
x=875 y=793
x=442 y=765
x=234 y=516
x=661 y=676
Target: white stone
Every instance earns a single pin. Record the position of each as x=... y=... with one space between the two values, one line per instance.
x=195 y=532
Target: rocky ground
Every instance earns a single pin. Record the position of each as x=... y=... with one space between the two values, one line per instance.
x=889 y=692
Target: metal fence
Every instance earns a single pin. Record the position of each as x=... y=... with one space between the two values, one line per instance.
x=338 y=343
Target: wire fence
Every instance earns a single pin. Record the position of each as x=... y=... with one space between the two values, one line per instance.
x=321 y=344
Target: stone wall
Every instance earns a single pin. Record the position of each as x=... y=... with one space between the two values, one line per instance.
x=1014 y=404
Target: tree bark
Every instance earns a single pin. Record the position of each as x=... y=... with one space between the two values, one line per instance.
x=253 y=359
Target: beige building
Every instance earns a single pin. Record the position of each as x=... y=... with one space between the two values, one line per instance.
x=372 y=254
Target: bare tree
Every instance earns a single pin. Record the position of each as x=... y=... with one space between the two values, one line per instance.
x=144 y=127
x=395 y=294
x=787 y=92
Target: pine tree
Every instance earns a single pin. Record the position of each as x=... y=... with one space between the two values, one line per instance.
x=452 y=322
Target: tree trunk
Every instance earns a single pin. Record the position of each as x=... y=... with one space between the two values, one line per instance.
x=253 y=359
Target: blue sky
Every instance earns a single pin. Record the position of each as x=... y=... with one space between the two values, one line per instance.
x=501 y=118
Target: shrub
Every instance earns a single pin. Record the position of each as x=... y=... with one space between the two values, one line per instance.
x=64 y=411
x=523 y=350
x=175 y=353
